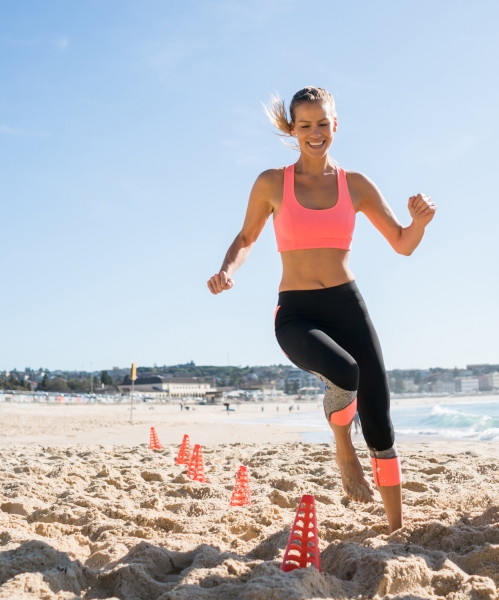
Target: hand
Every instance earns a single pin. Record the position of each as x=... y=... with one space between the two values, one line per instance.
x=220 y=282
x=422 y=209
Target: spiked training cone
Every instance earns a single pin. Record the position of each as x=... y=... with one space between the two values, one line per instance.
x=241 y=496
x=184 y=453
x=303 y=545
x=154 y=443
x=195 y=470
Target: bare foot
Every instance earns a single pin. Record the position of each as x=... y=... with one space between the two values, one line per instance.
x=355 y=484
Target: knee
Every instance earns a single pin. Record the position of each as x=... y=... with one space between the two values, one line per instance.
x=348 y=376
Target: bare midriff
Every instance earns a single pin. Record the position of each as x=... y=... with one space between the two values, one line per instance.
x=314 y=269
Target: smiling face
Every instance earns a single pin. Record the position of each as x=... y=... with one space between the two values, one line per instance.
x=314 y=126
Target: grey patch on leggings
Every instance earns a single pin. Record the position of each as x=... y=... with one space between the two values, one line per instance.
x=335 y=398
x=390 y=453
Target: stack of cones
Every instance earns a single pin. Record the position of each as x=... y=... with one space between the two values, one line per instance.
x=195 y=470
x=302 y=550
x=154 y=443
x=241 y=496
x=184 y=453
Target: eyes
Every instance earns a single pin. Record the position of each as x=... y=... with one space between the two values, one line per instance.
x=320 y=125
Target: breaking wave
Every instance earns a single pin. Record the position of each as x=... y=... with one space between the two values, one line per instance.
x=479 y=422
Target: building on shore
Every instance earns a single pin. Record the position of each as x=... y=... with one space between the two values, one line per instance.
x=298 y=379
x=169 y=387
x=488 y=381
x=409 y=385
x=467 y=385
x=494 y=380
x=443 y=386
x=484 y=368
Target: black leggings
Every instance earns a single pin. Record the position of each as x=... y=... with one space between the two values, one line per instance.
x=329 y=332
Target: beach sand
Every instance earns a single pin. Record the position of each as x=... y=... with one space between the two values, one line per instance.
x=88 y=511
x=110 y=424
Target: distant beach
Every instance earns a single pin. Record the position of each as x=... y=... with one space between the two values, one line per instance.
x=473 y=418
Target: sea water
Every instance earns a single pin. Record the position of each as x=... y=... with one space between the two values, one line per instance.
x=474 y=421
x=471 y=421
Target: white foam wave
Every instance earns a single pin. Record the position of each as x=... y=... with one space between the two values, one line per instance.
x=444 y=418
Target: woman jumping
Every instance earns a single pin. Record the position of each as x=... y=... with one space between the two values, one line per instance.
x=321 y=320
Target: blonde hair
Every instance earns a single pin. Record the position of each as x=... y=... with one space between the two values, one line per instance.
x=276 y=108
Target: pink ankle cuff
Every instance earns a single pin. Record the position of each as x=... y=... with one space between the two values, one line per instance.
x=345 y=415
x=386 y=471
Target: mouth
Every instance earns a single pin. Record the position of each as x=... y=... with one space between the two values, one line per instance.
x=316 y=144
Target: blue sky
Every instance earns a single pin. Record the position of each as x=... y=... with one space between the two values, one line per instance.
x=131 y=133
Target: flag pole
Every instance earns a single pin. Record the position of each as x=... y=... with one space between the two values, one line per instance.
x=133 y=378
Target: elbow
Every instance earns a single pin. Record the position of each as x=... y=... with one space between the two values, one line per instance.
x=399 y=249
x=247 y=239
x=401 y=246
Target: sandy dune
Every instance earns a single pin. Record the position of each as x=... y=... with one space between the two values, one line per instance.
x=124 y=522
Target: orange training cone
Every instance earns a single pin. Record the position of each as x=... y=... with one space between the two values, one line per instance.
x=195 y=470
x=154 y=443
x=184 y=453
x=241 y=496
x=303 y=544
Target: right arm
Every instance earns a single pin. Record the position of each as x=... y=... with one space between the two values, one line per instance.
x=259 y=210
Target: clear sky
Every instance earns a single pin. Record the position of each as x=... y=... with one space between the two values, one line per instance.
x=131 y=133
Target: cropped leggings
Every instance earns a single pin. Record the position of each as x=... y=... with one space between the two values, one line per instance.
x=328 y=332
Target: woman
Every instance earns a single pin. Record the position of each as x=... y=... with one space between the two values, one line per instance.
x=321 y=321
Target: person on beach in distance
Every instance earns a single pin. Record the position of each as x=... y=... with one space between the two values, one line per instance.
x=321 y=320
x=356 y=422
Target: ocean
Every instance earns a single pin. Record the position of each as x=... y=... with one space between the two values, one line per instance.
x=472 y=421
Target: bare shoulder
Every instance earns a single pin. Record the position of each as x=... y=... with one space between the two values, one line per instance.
x=359 y=182
x=269 y=184
x=271 y=178
x=361 y=188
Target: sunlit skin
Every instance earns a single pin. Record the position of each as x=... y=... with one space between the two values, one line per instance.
x=316 y=188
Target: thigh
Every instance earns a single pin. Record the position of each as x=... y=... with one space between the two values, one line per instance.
x=312 y=349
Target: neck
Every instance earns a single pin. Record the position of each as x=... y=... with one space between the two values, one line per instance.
x=314 y=166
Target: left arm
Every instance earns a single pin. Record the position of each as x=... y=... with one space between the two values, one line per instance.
x=368 y=199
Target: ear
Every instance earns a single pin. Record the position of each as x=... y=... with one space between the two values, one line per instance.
x=292 y=132
x=335 y=125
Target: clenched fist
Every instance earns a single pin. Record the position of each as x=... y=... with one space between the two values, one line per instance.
x=220 y=282
x=422 y=209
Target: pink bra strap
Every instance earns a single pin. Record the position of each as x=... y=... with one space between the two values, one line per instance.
x=289 y=182
x=343 y=192
x=342 y=182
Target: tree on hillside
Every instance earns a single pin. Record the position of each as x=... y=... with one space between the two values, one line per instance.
x=105 y=378
x=79 y=385
x=54 y=385
x=235 y=378
x=14 y=383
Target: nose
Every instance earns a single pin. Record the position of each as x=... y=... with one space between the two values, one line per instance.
x=315 y=133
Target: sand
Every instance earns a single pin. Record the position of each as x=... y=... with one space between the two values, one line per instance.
x=120 y=521
x=110 y=424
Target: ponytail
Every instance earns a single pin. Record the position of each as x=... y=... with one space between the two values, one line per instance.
x=278 y=115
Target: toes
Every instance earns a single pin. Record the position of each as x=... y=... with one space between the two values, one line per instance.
x=369 y=496
x=361 y=494
x=364 y=494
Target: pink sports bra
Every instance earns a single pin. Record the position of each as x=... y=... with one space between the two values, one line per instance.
x=300 y=228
